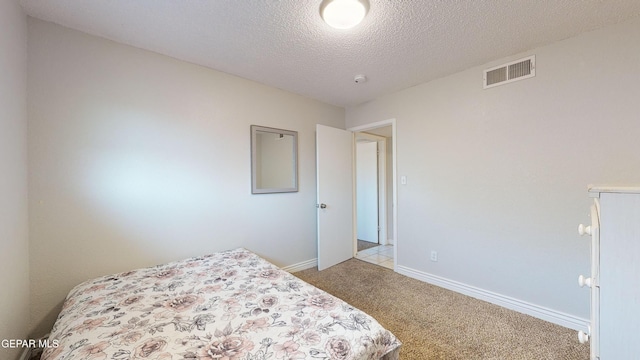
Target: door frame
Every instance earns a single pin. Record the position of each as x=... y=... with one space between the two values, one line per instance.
x=394 y=144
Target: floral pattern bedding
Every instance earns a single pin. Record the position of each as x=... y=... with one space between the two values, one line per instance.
x=231 y=305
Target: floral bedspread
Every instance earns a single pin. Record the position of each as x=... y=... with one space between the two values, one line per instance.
x=231 y=305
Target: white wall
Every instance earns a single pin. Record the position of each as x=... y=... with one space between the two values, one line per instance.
x=138 y=159
x=367 y=191
x=14 y=242
x=497 y=178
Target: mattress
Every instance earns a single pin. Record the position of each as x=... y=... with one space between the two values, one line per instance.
x=231 y=305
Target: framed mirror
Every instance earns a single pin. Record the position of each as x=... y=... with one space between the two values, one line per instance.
x=274 y=160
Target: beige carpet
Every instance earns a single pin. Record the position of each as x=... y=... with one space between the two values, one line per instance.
x=434 y=323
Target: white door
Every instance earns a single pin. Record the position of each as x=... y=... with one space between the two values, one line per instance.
x=367 y=190
x=334 y=171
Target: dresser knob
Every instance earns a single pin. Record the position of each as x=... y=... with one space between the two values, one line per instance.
x=582 y=337
x=584 y=230
x=582 y=281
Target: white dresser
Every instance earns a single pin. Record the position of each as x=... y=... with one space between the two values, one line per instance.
x=614 y=332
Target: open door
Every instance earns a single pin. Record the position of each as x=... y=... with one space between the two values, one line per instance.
x=334 y=171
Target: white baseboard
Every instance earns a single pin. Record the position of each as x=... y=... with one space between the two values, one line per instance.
x=308 y=264
x=553 y=316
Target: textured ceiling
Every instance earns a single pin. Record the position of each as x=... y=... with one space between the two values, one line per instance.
x=285 y=43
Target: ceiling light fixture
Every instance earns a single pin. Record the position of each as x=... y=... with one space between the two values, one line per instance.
x=343 y=14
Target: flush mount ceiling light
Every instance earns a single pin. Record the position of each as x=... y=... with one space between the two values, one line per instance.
x=343 y=14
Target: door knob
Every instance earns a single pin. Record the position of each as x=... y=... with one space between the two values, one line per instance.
x=584 y=230
x=322 y=206
x=582 y=281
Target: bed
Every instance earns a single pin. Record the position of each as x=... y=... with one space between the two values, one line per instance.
x=231 y=305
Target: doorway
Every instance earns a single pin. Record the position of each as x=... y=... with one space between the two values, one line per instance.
x=375 y=219
x=335 y=187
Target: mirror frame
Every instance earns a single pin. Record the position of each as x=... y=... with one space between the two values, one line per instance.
x=254 y=187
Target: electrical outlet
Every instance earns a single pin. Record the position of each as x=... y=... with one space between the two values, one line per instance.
x=434 y=256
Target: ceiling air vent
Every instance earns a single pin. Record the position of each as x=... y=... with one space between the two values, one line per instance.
x=510 y=72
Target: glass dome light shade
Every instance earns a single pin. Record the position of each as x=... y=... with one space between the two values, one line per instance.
x=343 y=14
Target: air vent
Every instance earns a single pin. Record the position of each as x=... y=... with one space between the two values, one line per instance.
x=510 y=72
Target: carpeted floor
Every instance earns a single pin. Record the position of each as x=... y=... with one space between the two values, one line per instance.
x=435 y=323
